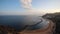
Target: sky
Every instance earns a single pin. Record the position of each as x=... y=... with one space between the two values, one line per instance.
x=25 y=7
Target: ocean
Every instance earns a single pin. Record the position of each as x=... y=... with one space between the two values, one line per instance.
x=19 y=21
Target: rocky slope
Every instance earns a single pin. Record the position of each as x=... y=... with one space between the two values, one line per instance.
x=55 y=17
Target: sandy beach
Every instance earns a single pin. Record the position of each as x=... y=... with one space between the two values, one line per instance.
x=48 y=30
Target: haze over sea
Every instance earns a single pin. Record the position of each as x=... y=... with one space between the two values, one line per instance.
x=16 y=21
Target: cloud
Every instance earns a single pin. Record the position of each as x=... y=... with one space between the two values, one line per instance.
x=29 y=10
x=27 y=4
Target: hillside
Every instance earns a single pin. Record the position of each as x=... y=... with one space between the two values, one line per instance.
x=55 y=17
